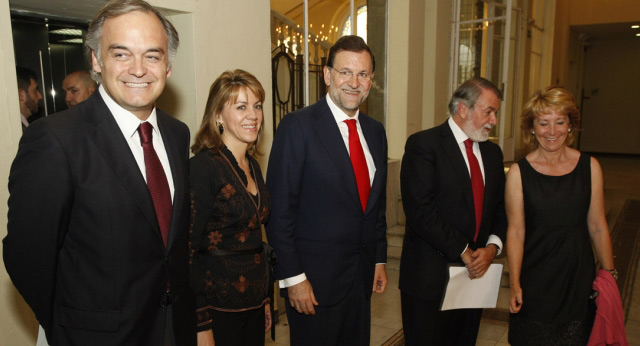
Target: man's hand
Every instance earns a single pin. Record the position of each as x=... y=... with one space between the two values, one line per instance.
x=380 y=278
x=480 y=261
x=302 y=299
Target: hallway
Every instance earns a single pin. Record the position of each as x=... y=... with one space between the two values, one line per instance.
x=622 y=183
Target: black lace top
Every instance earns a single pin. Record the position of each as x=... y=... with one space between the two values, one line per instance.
x=225 y=216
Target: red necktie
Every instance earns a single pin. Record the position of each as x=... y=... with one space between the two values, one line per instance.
x=156 y=180
x=359 y=163
x=477 y=184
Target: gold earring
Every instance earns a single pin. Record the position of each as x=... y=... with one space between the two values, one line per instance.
x=220 y=126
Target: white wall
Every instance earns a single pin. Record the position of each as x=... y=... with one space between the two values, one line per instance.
x=215 y=36
x=610 y=113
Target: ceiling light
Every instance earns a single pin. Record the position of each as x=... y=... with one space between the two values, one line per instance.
x=635 y=26
x=72 y=40
x=68 y=32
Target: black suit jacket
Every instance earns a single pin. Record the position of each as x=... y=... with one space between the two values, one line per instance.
x=317 y=225
x=91 y=262
x=438 y=202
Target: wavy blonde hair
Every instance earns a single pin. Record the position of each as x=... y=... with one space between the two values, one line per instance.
x=551 y=99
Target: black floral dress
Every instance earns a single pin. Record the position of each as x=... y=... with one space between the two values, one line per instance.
x=226 y=273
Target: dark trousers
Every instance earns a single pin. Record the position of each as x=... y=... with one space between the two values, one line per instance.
x=169 y=337
x=244 y=328
x=424 y=324
x=345 y=324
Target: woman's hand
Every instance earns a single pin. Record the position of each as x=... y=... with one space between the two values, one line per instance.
x=516 y=300
x=267 y=317
x=205 y=338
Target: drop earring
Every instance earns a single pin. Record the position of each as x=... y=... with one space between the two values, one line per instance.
x=220 y=126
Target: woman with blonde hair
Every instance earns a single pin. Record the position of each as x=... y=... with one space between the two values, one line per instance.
x=555 y=208
x=229 y=203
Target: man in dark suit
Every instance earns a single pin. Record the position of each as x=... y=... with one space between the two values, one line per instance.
x=103 y=261
x=453 y=198
x=327 y=178
x=29 y=95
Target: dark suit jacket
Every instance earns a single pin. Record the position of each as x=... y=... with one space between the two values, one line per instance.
x=91 y=262
x=317 y=225
x=438 y=202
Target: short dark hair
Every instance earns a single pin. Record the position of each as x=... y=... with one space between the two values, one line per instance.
x=350 y=43
x=469 y=92
x=25 y=76
x=115 y=8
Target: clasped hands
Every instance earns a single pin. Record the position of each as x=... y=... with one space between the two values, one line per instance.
x=478 y=261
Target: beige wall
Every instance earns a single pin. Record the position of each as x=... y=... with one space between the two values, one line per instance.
x=17 y=322
x=583 y=12
x=213 y=39
x=418 y=68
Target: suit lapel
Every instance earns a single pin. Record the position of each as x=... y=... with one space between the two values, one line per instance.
x=171 y=146
x=490 y=175
x=376 y=151
x=114 y=148
x=452 y=149
x=329 y=134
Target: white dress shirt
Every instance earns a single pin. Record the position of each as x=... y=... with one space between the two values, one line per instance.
x=129 y=124
x=340 y=116
x=460 y=138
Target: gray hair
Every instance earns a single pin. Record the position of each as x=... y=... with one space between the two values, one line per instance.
x=115 y=8
x=469 y=92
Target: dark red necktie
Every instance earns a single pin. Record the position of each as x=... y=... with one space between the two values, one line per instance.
x=156 y=180
x=477 y=184
x=359 y=163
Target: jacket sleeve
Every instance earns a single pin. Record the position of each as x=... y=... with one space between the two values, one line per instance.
x=202 y=197
x=40 y=202
x=284 y=181
x=418 y=184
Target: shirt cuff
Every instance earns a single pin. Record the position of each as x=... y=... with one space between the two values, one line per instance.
x=465 y=249
x=495 y=240
x=294 y=280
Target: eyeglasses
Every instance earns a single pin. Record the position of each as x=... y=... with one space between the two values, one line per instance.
x=348 y=75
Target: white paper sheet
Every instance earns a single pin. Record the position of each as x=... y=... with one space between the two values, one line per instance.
x=464 y=293
x=42 y=338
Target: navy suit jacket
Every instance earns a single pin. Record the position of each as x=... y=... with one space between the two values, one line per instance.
x=317 y=225
x=92 y=264
x=438 y=202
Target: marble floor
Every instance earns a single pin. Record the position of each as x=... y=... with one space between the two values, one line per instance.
x=622 y=182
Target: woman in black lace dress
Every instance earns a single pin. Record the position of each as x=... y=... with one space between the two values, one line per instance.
x=229 y=203
x=555 y=207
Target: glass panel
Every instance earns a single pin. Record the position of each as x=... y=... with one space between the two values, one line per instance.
x=471 y=9
x=470 y=51
x=326 y=20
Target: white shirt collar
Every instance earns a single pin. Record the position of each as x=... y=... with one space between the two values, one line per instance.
x=457 y=131
x=338 y=113
x=126 y=120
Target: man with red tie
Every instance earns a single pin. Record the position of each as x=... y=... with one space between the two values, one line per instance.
x=99 y=206
x=452 y=183
x=327 y=179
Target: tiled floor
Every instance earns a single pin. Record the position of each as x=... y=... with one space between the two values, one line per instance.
x=622 y=182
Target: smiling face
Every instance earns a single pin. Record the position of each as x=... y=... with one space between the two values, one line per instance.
x=347 y=87
x=551 y=130
x=241 y=120
x=135 y=62
x=479 y=121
